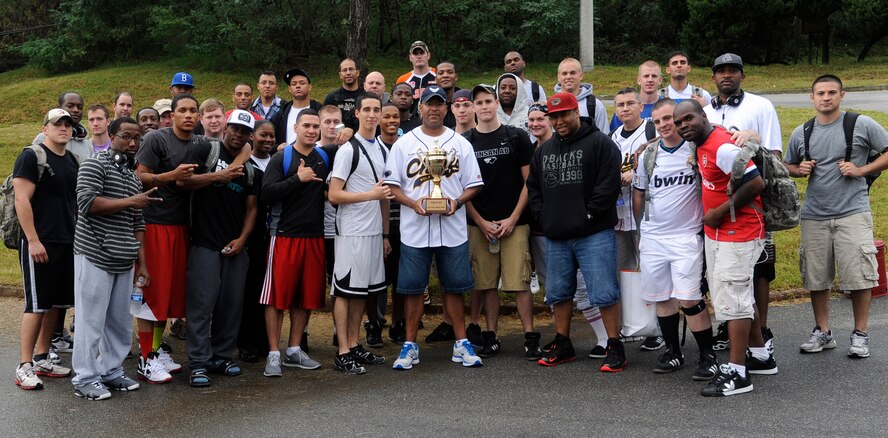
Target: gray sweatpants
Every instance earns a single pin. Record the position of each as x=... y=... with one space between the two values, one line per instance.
x=214 y=303
x=104 y=332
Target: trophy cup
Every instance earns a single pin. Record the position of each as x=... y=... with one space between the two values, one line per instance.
x=436 y=160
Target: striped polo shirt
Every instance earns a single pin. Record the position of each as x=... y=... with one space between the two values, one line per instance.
x=107 y=241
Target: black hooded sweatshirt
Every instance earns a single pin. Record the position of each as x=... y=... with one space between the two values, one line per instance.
x=574 y=184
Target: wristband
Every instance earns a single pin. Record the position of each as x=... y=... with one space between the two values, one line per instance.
x=385 y=235
x=459 y=204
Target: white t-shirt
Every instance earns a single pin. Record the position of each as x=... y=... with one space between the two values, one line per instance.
x=291 y=123
x=675 y=208
x=628 y=145
x=687 y=93
x=261 y=163
x=361 y=218
x=755 y=113
x=404 y=169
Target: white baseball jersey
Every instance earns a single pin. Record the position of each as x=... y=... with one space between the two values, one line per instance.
x=675 y=208
x=628 y=145
x=754 y=113
x=404 y=169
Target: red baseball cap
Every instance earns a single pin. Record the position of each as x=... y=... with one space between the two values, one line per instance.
x=562 y=102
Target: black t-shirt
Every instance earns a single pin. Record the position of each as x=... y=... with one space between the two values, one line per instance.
x=413 y=122
x=259 y=237
x=161 y=151
x=450 y=119
x=345 y=100
x=54 y=202
x=218 y=210
x=297 y=208
x=500 y=155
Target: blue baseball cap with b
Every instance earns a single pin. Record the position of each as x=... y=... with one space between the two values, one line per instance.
x=431 y=92
x=182 y=78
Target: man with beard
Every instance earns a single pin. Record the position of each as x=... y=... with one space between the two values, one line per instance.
x=268 y=103
x=533 y=92
x=345 y=96
x=512 y=109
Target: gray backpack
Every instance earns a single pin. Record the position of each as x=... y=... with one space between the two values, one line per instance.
x=780 y=199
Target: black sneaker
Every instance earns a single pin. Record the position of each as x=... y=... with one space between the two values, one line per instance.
x=490 y=345
x=669 y=362
x=443 y=332
x=347 y=364
x=721 y=341
x=653 y=343
x=374 y=334
x=364 y=357
x=598 y=352
x=473 y=334
x=758 y=366
x=532 y=346
x=250 y=355
x=561 y=351
x=615 y=360
x=303 y=343
x=727 y=382
x=707 y=367
x=397 y=331
x=546 y=349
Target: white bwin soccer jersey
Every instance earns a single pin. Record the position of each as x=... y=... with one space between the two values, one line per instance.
x=675 y=208
x=404 y=169
x=625 y=221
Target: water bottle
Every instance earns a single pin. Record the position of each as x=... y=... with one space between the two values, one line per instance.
x=136 y=297
x=494 y=246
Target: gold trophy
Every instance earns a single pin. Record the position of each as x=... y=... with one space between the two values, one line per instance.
x=436 y=160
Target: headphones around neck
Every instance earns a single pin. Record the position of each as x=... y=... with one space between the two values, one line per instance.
x=120 y=159
x=733 y=100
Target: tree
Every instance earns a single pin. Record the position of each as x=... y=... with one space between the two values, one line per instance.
x=359 y=23
x=867 y=18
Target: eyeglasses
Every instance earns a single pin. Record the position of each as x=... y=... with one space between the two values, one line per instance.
x=127 y=139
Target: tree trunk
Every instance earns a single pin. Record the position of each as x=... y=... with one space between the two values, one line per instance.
x=358 y=25
x=864 y=52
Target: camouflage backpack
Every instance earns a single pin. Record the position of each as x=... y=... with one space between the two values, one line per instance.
x=780 y=198
x=10 y=229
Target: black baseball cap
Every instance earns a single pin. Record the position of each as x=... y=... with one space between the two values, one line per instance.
x=296 y=72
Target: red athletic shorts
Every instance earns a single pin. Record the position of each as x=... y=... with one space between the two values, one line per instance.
x=166 y=252
x=295 y=276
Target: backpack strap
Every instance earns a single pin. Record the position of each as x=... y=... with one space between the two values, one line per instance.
x=42 y=165
x=650 y=131
x=848 y=123
x=324 y=156
x=535 y=91
x=213 y=156
x=738 y=170
x=806 y=131
x=650 y=159
x=591 y=105
x=250 y=173
x=288 y=159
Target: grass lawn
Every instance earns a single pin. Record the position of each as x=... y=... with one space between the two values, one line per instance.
x=29 y=93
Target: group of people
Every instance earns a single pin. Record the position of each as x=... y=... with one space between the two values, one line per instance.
x=229 y=219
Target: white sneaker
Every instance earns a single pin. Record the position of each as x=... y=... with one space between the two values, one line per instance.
x=171 y=366
x=26 y=378
x=534 y=283
x=54 y=355
x=464 y=353
x=152 y=370
x=859 y=345
x=46 y=368
x=409 y=356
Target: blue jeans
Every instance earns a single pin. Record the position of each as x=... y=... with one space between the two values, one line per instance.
x=454 y=269
x=596 y=257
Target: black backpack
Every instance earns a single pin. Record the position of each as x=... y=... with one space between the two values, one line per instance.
x=848 y=123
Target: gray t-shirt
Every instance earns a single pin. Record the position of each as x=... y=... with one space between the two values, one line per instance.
x=831 y=195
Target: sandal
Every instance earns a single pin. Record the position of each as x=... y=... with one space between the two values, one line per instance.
x=199 y=378
x=225 y=367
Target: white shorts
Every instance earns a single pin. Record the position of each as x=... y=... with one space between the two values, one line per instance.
x=358 y=270
x=671 y=267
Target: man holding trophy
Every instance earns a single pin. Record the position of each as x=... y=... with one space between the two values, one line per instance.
x=432 y=173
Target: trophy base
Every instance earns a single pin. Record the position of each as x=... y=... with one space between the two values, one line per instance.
x=437 y=205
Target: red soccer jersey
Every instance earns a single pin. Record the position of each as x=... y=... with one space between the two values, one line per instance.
x=716 y=158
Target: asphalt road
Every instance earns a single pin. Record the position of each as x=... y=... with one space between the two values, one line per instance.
x=825 y=394
x=859 y=100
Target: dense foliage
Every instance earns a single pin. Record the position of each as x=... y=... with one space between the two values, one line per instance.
x=267 y=33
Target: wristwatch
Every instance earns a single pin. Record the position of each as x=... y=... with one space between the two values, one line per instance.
x=459 y=204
